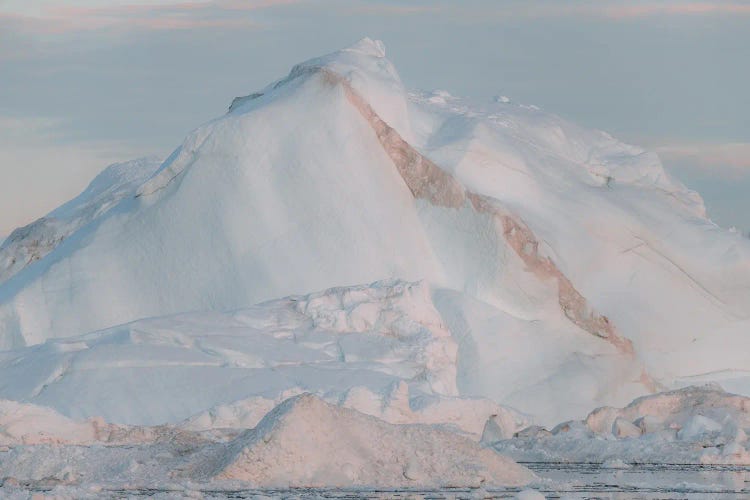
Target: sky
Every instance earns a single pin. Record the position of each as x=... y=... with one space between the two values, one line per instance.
x=85 y=83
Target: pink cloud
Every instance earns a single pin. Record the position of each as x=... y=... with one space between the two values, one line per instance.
x=628 y=9
x=168 y=16
x=253 y=5
x=642 y=10
x=618 y=10
x=735 y=155
x=396 y=10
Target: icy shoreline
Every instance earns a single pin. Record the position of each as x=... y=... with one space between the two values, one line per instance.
x=305 y=442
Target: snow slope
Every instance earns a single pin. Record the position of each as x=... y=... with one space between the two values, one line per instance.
x=31 y=243
x=569 y=269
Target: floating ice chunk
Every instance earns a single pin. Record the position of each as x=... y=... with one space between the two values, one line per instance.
x=529 y=494
x=689 y=425
x=615 y=463
x=495 y=430
x=533 y=432
x=698 y=427
x=439 y=97
x=649 y=423
x=572 y=428
x=621 y=428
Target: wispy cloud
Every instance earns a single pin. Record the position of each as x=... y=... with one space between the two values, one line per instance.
x=604 y=9
x=733 y=157
x=394 y=9
x=61 y=18
x=636 y=10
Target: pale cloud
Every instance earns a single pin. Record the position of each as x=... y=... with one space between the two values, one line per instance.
x=42 y=8
x=60 y=17
x=638 y=9
x=606 y=9
x=683 y=7
x=733 y=157
x=395 y=9
x=53 y=18
x=40 y=168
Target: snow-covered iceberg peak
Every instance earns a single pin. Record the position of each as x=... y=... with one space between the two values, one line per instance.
x=362 y=66
x=552 y=234
x=365 y=67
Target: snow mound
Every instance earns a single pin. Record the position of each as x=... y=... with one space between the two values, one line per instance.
x=690 y=425
x=306 y=442
x=31 y=243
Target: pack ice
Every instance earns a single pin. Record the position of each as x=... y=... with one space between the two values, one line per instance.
x=303 y=442
x=693 y=425
x=404 y=256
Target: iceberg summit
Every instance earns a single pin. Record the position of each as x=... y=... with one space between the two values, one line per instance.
x=344 y=283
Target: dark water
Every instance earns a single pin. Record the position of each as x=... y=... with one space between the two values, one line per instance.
x=644 y=481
